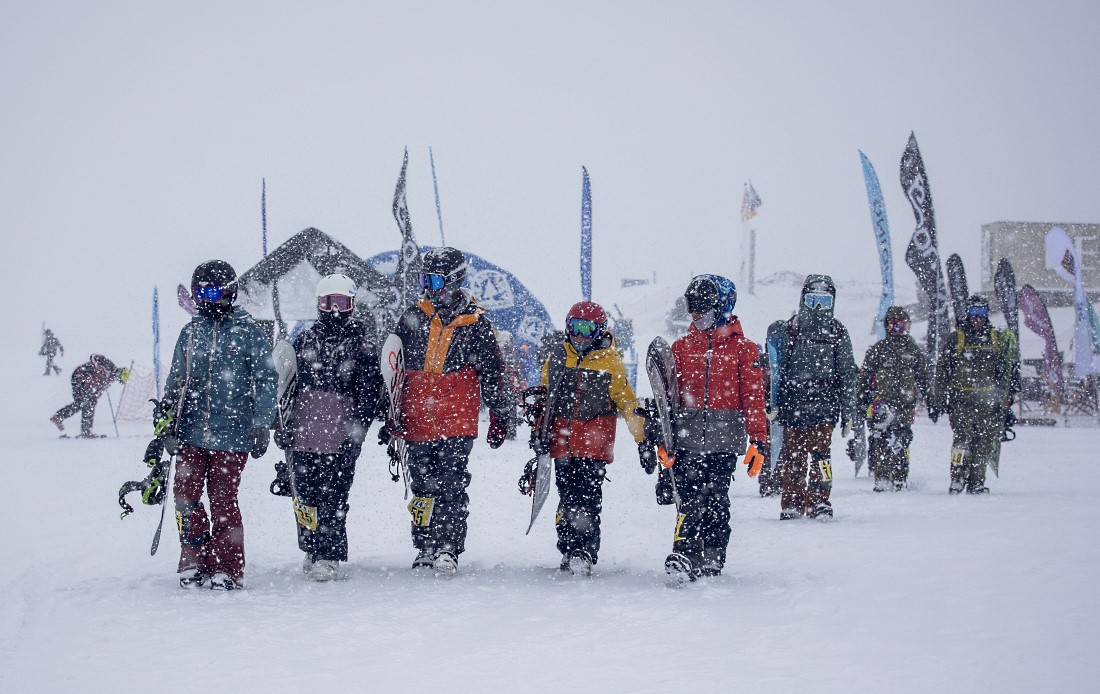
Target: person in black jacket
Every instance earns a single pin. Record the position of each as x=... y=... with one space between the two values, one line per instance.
x=336 y=395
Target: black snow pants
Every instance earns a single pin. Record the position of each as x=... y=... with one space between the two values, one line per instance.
x=84 y=401
x=440 y=504
x=321 y=483
x=703 y=523
x=580 y=500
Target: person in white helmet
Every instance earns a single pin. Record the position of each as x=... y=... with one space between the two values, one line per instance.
x=337 y=394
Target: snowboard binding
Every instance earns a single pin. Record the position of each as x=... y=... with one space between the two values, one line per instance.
x=154 y=487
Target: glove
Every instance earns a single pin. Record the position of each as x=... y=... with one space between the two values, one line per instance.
x=163 y=416
x=754 y=459
x=498 y=429
x=124 y=374
x=647 y=457
x=648 y=411
x=261 y=437
x=771 y=413
x=665 y=496
x=527 y=479
x=537 y=445
x=384 y=435
x=284 y=438
x=846 y=430
x=933 y=415
x=281 y=485
x=172 y=444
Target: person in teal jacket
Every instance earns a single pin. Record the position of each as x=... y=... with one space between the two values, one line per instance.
x=221 y=401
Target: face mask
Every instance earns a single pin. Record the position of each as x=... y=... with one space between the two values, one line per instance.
x=705 y=321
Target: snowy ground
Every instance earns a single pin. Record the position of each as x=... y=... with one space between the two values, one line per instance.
x=908 y=592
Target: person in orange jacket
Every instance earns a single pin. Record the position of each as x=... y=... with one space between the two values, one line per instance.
x=453 y=363
x=720 y=409
x=591 y=389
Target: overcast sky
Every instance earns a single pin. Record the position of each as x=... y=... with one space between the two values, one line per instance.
x=134 y=136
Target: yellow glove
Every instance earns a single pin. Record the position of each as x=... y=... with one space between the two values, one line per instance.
x=124 y=375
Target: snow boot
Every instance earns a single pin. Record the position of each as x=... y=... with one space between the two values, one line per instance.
x=307 y=564
x=57 y=423
x=192 y=578
x=899 y=486
x=955 y=488
x=881 y=485
x=324 y=570
x=679 y=569
x=789 y=514
x=445 y=564
x=223 y=581
x=822 y=512
x=977 y=490
x=423 y=560
x=564 y=565
x=580 y=563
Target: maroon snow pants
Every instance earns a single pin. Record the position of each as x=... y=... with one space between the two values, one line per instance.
x=813 y=441
x=216 y=547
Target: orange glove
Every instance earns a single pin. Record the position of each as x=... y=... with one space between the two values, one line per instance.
x=754 y=460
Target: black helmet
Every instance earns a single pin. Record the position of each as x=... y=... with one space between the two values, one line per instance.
x=701 y=295
x=447 y=262
x=216 y=273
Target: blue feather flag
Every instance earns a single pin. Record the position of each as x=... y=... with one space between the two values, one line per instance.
x=881 y=228
x=586 y=237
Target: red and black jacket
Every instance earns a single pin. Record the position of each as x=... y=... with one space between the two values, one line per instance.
x=449 y=369
x=720 y=389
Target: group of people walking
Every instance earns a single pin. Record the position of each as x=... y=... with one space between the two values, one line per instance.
x=224 y=397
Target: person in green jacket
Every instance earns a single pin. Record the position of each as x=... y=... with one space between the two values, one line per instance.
x=219 y=406
x=894 y=375
x=974 y=387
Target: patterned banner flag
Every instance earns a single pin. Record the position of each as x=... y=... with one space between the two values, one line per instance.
x=408 y=263
x=586 y=236
x=750 y=202
x=1062 y=257
x=1037 y=318
x=881 y=228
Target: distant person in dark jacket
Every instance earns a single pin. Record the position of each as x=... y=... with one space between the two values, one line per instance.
x=50 y=347
x=221 y=393
x=894 y=376
x=89 y=380
x=337 y=393
x=817 y=389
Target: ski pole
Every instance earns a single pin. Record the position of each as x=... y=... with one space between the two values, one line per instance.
x=111 y=405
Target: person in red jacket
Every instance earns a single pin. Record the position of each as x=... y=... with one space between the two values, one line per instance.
x=452 y=364
x=89 y=380
x=720 y=409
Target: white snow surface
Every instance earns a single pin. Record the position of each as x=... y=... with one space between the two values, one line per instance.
x=904 y=592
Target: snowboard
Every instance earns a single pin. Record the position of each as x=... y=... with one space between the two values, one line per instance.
x=393 y=373
x=286 y=366
x=186 y=302
x=661 y=369
x=1004 y=283
x=775 y=429
x=544 y=472
x=956 y=284
x=857 y=446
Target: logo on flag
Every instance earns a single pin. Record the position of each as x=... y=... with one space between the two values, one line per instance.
x=749 y=203
x=1067 y=263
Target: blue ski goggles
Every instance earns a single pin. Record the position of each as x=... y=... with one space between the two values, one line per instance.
x=207 y=292
x=582 y=327
x=816 y=301
x=977 y=312
x=432 y=282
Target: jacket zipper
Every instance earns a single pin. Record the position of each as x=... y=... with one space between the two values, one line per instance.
x=209 y=384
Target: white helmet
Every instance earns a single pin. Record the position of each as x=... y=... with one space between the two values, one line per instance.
x=336 y=284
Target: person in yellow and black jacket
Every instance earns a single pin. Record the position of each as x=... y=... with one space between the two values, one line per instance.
x=452 y=364
x=974 y=386
x=592 y=389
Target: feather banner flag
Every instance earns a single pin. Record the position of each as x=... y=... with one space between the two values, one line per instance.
x=408 y=262
x=1061 y=257
x=750 y=202
x=923 y=253
x=1037 y=318
x=586 y=236
x=881 y=227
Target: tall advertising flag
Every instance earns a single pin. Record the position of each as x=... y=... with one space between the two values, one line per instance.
x=881 y=227
x=438 y=209
x=1037 y=319
x=586 y=236
x=1062 y=258
x=408 y=263
x=156 y=340
x=263 y=213
x=923 y=253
